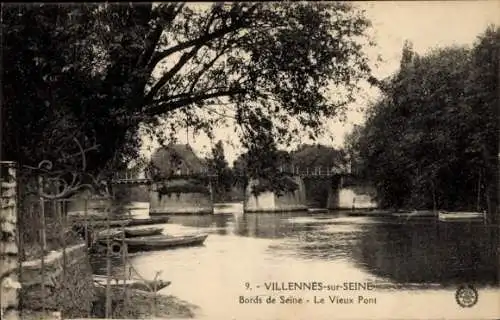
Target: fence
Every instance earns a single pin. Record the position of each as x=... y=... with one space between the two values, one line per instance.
x=46 y=269
x=134 y=175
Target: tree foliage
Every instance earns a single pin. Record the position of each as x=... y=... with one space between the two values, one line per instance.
x=304 y=158
x=432 y=139
x=106 y=73
x=318 y=156
x=217 y=164
x=309 y=158
x=45 y=84
x=263 y=162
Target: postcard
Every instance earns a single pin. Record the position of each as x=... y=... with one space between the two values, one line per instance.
x=267 y=160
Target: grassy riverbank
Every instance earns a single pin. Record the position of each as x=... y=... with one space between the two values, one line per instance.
x=136 y=304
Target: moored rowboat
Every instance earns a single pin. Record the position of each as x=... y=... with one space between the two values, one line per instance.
x=142 y=232
x=163 y=242
x=120 y=221
x=100 y=222
x=460 y=215
x=143 y=285
x=147 y=221
x=105 y=234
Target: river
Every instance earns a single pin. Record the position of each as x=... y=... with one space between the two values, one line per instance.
x=416 y=265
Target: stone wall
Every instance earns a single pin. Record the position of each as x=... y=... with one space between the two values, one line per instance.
x=9 y=255
x=68 y=283
x=180 y=203
x=270 y=202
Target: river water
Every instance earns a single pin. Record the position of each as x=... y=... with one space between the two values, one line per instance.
x=416 y=265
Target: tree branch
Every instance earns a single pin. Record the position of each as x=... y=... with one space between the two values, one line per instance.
x=212 y=17
x=206 y=37
x=161 y=107
x=221 y=114
x=188 y=94
x=205 y=68
x=154 y=36
x=167 y=76
x=151 y=42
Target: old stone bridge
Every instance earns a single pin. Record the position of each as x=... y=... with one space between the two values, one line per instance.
x=316 y=188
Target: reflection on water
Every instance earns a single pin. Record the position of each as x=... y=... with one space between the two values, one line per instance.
x=330 y=247
x=411 y=252
x=445 y=253
x=269 y=225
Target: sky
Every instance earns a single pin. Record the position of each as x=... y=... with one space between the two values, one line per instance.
x=427 y=24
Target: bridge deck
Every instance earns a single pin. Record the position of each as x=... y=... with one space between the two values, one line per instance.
x=145 y=181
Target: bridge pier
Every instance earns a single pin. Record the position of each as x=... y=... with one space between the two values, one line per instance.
x=350 y=195
x=270 y=202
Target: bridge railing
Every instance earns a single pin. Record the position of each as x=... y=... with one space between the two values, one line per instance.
x=292 y=170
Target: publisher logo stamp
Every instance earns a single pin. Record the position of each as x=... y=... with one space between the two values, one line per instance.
x=466 y=296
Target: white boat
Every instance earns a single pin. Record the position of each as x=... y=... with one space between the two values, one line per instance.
x=460 y=215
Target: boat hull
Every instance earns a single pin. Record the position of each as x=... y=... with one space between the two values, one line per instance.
x=122 y=222
x=131 y=232
x=460 y=216
x=147 y=221
x=163 y=242
x=103 y=235
x=142 y=285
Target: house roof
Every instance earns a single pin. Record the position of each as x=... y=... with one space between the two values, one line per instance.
x=174 y=157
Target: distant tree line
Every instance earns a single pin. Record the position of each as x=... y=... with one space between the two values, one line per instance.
x=431 y=141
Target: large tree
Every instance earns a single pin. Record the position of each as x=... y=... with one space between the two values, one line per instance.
x=105 y=73
x=432 y=139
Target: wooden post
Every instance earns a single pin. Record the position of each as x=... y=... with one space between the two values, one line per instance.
x=124 y=261
x=9 y=254
x=43 y=240
x=108 y=268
